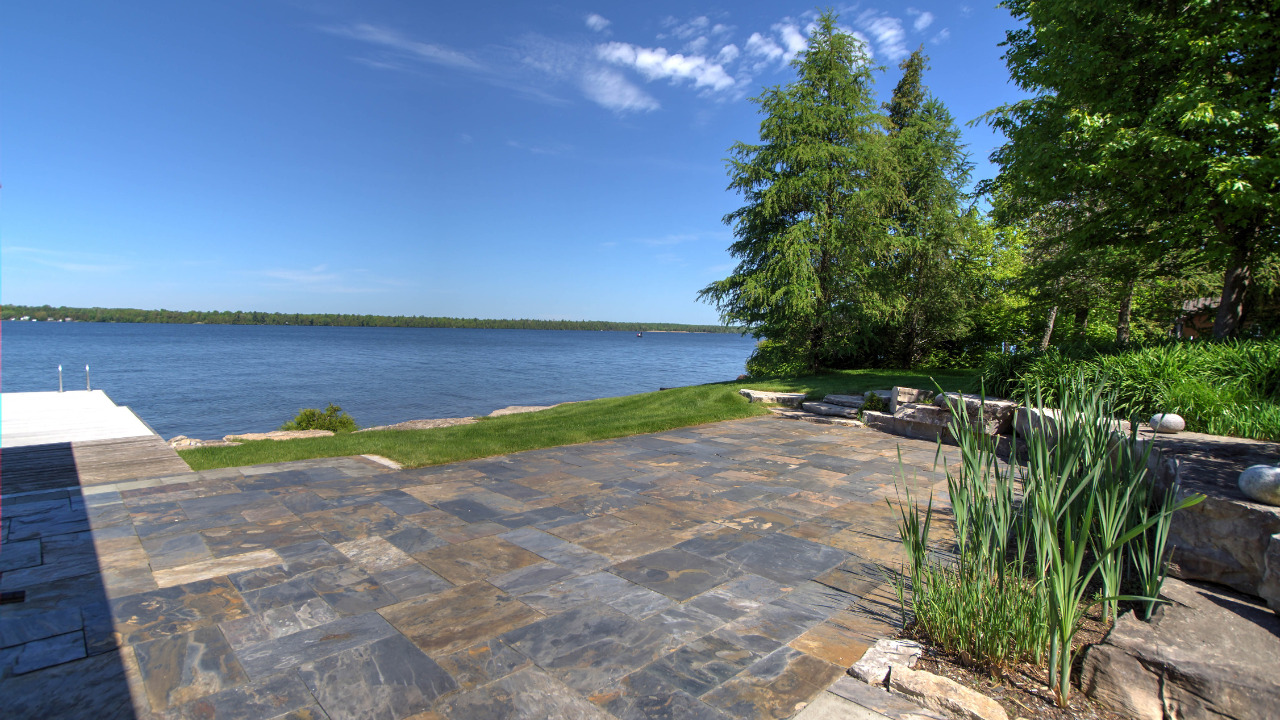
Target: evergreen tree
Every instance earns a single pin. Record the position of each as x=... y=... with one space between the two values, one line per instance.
x=817 y=189
x=925 y=290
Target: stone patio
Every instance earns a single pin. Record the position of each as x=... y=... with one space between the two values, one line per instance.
x=729 y=570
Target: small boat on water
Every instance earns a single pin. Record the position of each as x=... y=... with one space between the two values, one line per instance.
x=639 y=334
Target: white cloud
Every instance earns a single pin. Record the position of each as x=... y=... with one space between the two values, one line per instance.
x=657 y=63
x=688 y=29
x=942 y=36
x=68 y=261
x=613 y=91
x=391 y=40
x=789 y=43
x=923 y=18
x=886 y=31
x=727 y=54
x=597 y=22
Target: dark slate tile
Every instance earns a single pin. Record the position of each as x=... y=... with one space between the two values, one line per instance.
x=178 y=609
x=774 y=686
x=739 y=596
x=539 y=516
x=685 y=623
x=386 y=678
x=94 y=687
x=43 y=653
x=348 y=589
x=170 y=551
x=293 y=592
x=290 y=651
x=258 y=578
x=642 y=696
x=590 y=646
x=530 y=578
x=99 y=628
x=401 y=502
x=51 y=521
x=221 y=504
x=181 y=668
x=769 y=626
x=268 y=698
x=310 y=555
x=247 y=537
x=483 y=663
x=303 y=502
x=529 y=694
x=702 y=665
x=513 y=490
x=414 y=539
x=675 y=573
x=446 y=622
x=17 y=627
x=469 y=510
x=411 y=581
x=785 y=559
x=717 y=543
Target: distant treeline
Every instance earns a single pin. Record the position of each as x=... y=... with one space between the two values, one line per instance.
x=227 y=317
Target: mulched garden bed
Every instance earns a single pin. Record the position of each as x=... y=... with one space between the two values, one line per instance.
x=1022 y=691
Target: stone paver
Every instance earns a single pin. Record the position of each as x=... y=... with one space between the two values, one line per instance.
x=729 y=570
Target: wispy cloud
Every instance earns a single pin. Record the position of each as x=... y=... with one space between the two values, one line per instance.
x=71 y=262
x=391 y=40
x=307 y=276
x=611 y=90
x=597 y=22
x=886 y=32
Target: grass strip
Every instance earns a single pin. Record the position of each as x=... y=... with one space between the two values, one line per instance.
x=563 y=425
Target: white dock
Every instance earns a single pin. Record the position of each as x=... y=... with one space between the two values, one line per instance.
x=40 y=418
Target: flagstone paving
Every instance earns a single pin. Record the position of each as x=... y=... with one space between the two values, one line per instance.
x=730 y=570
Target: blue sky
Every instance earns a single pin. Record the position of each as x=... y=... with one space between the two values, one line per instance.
x=480 y=159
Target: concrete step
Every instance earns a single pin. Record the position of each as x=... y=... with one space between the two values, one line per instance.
x=822 y=408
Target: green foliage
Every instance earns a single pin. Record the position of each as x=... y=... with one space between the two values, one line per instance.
x=1229 y=387
x=817 y=188
x=332 y=419
x=224 y=317
x=874 y=403
x=775 y=359
x=1154 y=126
x=1022 y=574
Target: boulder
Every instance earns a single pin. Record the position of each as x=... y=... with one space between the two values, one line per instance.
x=1167 y=423
x=1261 y=483
x=1207 y=653
x=874 y=665
x=944 y=695
x=924 y=413
x=769 y=396
x=818 y=408
x=1269 y=588
x=899 y=396
x=996 y=414
x=1027 y=420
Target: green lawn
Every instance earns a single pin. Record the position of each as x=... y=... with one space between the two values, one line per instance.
x=567 y=424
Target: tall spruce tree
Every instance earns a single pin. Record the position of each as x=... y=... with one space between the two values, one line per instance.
x=924 y=284
x=817 y=190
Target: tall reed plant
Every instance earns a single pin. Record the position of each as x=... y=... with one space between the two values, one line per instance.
x=1026 y=565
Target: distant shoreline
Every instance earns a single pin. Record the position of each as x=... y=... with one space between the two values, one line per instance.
x=47 y=313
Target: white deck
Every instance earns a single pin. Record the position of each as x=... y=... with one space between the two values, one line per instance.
x=37 y=418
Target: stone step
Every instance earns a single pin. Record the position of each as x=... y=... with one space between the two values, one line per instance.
x=822 y=408
x=770 y=396
x=853 y=401
x=792 y=414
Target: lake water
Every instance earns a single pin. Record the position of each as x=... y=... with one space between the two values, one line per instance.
x=206 y=381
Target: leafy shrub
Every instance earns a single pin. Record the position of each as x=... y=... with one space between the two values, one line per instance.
x=775 y=359
x=331 y=419
x=1229 y=387
x=874 y=403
